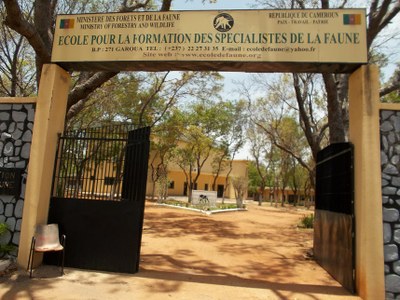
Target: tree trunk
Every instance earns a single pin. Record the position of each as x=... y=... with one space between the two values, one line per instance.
x=260 y=199
x=153 y=192
x=337 y=132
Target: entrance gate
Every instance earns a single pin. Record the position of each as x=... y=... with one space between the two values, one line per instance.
x=334 y=226
x=98 y=197
x=222 y=41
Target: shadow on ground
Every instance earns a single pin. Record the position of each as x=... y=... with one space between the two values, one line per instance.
x=257 y=254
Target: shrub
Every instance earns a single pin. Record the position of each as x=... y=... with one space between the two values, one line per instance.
x=226 y=206
x=5 y=249
x=307 y=221
x=3 y=228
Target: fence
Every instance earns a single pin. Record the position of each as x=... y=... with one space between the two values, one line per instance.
x=90 y=163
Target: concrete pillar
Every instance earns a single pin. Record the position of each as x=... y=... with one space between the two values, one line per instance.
x=49 y=121
x=364 y=134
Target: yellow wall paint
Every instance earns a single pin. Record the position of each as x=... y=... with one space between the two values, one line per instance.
x=8 y=100
x=175 y=174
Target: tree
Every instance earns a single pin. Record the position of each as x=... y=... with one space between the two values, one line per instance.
x=184 y=158
x=284 y=174
x=274 y=149
x=163 y=145
x=275 y=115
x=38 y=31
x=144 y=99
x=220 y=162
x=391 y=91
x=192 y=155
x=311 y=111
x=298 y=180
x=260 y=150
x=290 y=143
x=17 y=71
x=207 y=130
x=231 y=139
x=240 y=186
x=380 y=15
x=254 y=181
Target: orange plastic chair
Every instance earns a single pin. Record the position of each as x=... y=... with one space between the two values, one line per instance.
x=46 y=239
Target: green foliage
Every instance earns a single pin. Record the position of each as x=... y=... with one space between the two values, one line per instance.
x=393 y=97
x=208 y=129
x=390 y=89
x=254 y=177
x=5 y=249
x=227 y=206
x=3 y=228
x=175 y=202
x=17 y=76
x=307 y=221
x=145 y=99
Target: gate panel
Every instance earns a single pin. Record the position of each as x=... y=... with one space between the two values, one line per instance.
x=100 y=234
x=135 y=179
x=103 y=234
x=334 y=236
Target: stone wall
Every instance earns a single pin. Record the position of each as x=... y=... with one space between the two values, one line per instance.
x=390 y=163
x=16 y=124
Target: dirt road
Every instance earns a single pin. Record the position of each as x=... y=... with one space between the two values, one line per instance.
x=258 y=254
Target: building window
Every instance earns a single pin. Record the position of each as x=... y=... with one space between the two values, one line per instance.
x=206 y=187
x=109 y=180
x=171 y=185
x=220 y=190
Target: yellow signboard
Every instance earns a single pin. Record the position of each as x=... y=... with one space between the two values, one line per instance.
x=235 y=40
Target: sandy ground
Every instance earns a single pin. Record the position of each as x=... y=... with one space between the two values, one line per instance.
x=258 y=254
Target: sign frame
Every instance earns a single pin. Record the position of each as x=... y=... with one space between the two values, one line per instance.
x=97 y=42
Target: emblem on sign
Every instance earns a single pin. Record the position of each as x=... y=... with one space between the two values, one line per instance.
x=223 y=22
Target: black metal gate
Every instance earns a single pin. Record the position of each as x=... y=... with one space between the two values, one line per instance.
x=99 y=193
x=334 y=227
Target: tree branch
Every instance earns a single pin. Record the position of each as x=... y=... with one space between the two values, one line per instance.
x=272 y=135
x=83 y=90
x=393 y=85
x=379 y=17
x=132 y=5
x=151 y=97
x=17 y=22
x=166 y=5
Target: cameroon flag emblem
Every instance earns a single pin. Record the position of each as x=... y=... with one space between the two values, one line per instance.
x=352 y=19
x=67 y=23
